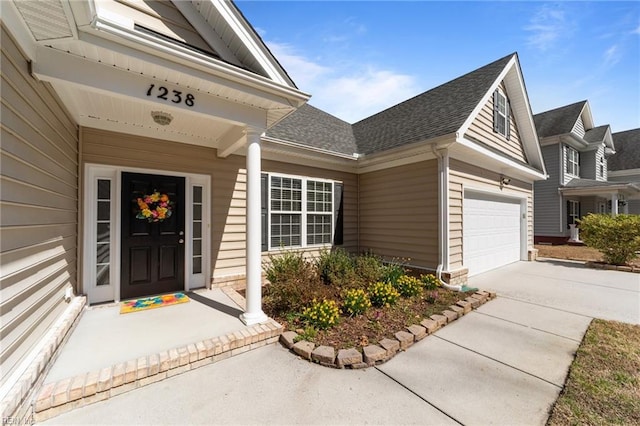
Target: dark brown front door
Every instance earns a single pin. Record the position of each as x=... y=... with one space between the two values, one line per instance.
x=152 y=251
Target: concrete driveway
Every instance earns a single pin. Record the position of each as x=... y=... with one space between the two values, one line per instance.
x=502 y=364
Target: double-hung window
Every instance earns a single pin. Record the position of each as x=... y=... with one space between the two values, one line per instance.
x=573 y=162
x=301 y=211
x=500 y=114
x=573 y=212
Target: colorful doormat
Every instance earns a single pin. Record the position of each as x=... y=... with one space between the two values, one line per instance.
x=152 y=302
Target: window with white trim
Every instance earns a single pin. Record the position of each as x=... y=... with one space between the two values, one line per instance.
x=301 y=211
x=573 y=212
x=501 y=114
x=573 y=162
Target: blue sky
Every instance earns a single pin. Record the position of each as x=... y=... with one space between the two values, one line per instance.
x=357 y=58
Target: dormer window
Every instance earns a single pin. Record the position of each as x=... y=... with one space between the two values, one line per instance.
x=500 y=114
x=573 y=162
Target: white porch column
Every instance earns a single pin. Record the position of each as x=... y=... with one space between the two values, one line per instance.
x=253 y=313
x=614 y=204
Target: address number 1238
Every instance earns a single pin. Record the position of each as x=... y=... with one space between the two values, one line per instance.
x=174 y=96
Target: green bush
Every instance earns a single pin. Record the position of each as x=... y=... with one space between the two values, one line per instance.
x=383 y=294
x=322 y=314
x=617 y=238
x=430 y=281
x=293 y=283
x=336 y=268
x=369 y=267
x=408 y=286
x=355 y=302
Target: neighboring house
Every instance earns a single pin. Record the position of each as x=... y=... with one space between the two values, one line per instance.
x=576 y=154
x=624 y=166
x=106 y=102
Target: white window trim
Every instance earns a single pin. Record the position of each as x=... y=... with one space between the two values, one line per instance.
x=570 y=163
x=110 y=292
x=304 y=212
x=503 y=115
x=574 y=211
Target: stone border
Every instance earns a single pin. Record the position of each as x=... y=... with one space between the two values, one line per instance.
x=609 y=267
x=67 y=394
x=387 y=348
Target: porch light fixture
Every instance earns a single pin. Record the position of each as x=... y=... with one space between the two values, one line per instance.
x=504 y=181
x=161 y=117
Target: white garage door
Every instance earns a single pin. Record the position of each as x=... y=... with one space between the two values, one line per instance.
x=491 y=231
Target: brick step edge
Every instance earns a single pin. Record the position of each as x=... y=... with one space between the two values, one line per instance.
x=387 y=348
x=68 y=394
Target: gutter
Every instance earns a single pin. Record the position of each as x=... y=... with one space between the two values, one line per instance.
x=443 y=213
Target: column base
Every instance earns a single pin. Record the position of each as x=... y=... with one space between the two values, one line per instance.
x=252 y=318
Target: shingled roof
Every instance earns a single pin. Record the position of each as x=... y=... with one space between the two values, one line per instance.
x=627 y=156
x=439 y=111
x=558 y=121
x=596 y=134
x=313 y=127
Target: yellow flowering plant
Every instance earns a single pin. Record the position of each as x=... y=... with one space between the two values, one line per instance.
x=154 y=207
x=383 y=294
x=322 y=315
x=355 y=302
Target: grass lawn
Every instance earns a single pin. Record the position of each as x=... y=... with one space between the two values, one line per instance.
x=603 y=386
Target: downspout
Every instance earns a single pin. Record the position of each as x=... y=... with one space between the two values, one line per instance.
x=443 y=214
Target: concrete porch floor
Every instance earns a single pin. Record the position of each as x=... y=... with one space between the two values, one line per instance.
x=108 y=353
x=104 y=337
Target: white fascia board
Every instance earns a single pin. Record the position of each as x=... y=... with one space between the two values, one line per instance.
x=599 y=190
x=248 y=37
x=64 y=68
x=319 y=151
x=185 y=58
x=275 y=150
x=587 y=117
x=521 y=170
x=18 y=28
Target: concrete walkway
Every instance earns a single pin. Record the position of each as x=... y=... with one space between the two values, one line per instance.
x=502 y=364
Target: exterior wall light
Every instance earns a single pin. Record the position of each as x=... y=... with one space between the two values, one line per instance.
x=162 y=118
x=504 y=181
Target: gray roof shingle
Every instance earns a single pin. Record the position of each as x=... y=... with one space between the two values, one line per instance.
x=558 y=121
x=313 y=127
x=596 y=134
x=437 y=112
x=627 y=145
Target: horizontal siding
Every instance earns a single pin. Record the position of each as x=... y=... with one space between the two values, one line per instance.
x=228 y=186
x=482 y=130
x=547 y=200
x=399 y=213
x=464 y=176
x=38 y=225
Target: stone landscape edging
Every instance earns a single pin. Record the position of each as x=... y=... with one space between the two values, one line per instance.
x=387 y=348
x=609 y=267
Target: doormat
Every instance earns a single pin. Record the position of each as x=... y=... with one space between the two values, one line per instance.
x=152 y=302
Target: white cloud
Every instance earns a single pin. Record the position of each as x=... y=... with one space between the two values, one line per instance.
x=546 y=27
x=350 y=91
x=612 y=56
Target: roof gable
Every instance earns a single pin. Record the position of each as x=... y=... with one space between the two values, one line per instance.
x=437 y=112
x=560 y=120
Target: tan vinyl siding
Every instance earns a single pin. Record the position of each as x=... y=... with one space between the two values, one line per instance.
x=228 y=186
x=160 y=16
x=464 y=176
x=399 y=213
x=481 y=129
x=38 y=225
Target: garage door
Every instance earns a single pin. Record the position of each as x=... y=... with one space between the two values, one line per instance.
x=491 y=232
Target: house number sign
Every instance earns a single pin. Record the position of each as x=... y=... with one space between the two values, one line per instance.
x=175 y=96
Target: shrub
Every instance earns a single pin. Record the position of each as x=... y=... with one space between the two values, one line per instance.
x=617 y=238
x=383 y=294
x=408 y=286
x=369 y=267
x=309 y=334
x=355 y=302
x=430 y=281
x=336 y=268
x=322 y=314
x=294 y=283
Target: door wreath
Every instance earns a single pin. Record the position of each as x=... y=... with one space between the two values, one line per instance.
x=154 y=207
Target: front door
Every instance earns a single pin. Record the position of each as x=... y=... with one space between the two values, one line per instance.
x=152 y=234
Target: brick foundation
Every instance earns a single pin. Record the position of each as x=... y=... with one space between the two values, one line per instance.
x=456 y=277
x=532 y=255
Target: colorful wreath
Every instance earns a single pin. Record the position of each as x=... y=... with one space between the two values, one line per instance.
x=154 y=207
